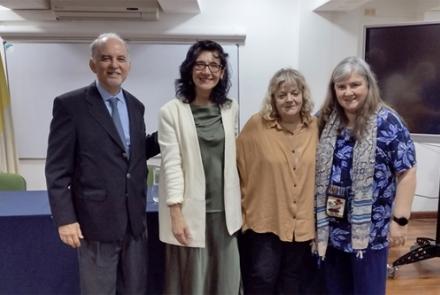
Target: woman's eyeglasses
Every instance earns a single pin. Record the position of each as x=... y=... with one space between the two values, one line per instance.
x=213 y=67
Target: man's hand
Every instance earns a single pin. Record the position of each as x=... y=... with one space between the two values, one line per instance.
x=178 y=224
x=71 y=234
x=398 y=234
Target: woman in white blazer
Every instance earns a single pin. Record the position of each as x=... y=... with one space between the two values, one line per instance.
x=199 y=191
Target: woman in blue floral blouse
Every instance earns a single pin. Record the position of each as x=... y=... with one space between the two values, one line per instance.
x=365 y=181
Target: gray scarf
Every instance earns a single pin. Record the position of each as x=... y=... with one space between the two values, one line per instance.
x=362 y=183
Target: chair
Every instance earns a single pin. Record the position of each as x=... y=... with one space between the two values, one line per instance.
x=12 y=182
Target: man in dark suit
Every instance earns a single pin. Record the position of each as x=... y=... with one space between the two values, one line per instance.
x=96 y=174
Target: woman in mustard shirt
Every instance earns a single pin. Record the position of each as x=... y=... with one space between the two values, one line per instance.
x=276 y=160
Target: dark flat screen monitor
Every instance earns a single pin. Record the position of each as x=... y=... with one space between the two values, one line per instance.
x=406 y=61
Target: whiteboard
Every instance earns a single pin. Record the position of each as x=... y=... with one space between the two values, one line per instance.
x=38 y=72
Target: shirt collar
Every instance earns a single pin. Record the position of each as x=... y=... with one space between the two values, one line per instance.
x=276 y=124
x=106 y=95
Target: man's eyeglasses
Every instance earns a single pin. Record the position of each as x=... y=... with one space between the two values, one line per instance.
x=213 y=67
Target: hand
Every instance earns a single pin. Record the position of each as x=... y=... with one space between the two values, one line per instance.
x=178 y=225
x=71 y=234
x=398 y=234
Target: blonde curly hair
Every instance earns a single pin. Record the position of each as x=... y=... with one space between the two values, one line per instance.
x=287 y=75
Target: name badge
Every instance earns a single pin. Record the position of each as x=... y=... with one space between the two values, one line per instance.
x=336 y=200
x=335 y=206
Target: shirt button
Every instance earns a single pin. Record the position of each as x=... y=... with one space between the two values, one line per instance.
x=125 y=155
x=128 y=175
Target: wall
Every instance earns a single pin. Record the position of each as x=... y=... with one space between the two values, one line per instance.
x=328 y=37
x=271 y=43
x=278 y=34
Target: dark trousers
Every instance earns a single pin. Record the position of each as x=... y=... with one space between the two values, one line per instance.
x=347 y=274
x=115 y=267
x=271 y=266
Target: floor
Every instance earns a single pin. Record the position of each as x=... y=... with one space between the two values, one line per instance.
x=422 y=277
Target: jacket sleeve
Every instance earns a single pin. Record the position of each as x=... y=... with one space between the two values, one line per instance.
x=60 y=164
x=171 y=158
x=151 y=145
x=235 y=109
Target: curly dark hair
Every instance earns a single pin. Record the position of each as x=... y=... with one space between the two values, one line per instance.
x=185 y=89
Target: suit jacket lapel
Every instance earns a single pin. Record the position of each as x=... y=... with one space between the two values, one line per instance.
x=99 y=112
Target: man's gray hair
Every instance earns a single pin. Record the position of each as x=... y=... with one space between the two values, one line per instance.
x=102 y=39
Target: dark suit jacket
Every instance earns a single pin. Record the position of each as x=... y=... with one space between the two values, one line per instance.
x=90 y=178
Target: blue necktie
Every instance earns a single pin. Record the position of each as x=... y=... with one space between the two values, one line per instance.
x=117 y=120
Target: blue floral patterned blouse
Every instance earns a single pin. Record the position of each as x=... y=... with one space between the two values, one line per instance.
x=395 y=152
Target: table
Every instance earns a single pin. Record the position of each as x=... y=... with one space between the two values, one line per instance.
x=33 y=260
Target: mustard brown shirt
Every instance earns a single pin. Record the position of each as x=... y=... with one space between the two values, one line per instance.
x=277 y=178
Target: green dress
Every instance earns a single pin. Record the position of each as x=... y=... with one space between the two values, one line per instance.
x=214 y=269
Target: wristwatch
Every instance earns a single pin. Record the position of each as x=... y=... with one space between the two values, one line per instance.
x=402 y=221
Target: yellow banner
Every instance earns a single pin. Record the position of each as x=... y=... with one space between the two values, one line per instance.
x=5 y=100
x=8 y=154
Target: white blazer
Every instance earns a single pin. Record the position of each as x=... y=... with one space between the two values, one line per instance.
x=182 y=178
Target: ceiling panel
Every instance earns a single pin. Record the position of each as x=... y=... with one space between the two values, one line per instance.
x=26 y=4
x=341 y=5
x=180 y=6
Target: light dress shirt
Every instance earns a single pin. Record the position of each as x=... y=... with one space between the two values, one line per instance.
x=122 y=108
